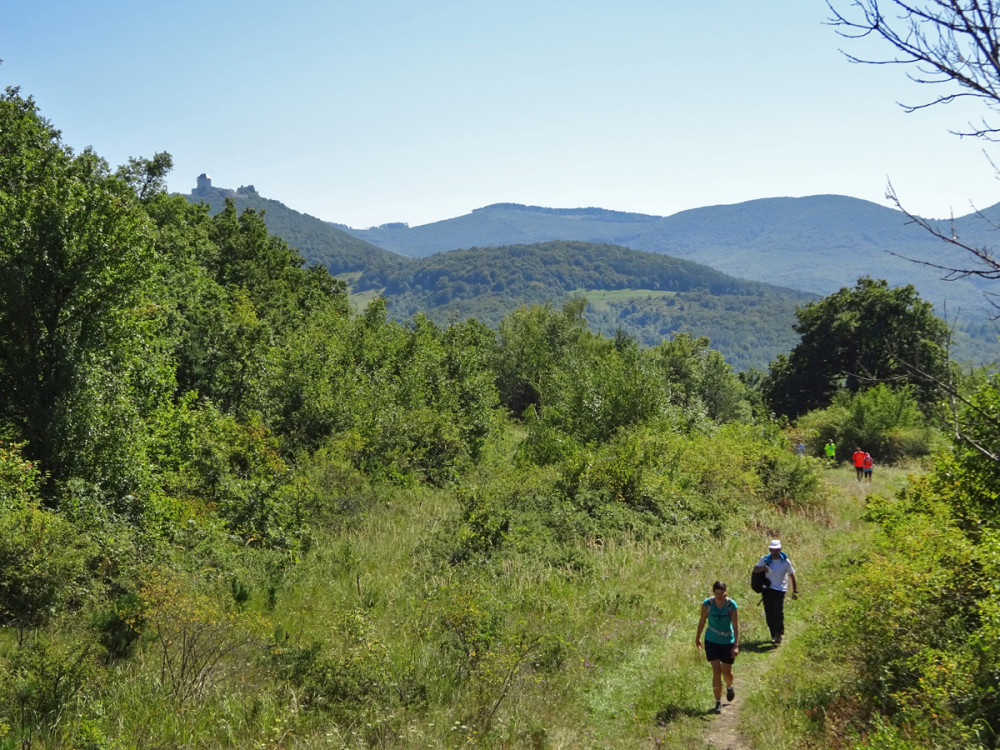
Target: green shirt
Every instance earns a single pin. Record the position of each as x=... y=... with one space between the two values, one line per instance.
x=720 y=624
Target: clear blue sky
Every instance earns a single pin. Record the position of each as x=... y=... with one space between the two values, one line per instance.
x=371 y=111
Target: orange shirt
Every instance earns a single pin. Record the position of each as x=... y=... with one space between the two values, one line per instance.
x=859 y=459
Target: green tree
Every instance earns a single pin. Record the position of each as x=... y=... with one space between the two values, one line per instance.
x=533 y=342
x=78 y=360
x=698 y=377
x=855 y=339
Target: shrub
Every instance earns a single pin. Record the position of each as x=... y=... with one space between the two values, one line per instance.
x=43 y=675
x=44 y=563
x=19 y=478
x=884 y=421
x=199 y=644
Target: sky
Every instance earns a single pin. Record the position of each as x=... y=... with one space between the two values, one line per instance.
x=364 y=112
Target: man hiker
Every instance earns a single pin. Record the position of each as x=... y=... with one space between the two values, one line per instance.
x=831 y=451
x=779 y=570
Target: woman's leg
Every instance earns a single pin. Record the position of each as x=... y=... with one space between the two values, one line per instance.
x=717 y=679
x=727 y=674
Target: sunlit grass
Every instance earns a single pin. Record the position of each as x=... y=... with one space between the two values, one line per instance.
x=591 y=649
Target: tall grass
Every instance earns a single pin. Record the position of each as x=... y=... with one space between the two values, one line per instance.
x=373 y=640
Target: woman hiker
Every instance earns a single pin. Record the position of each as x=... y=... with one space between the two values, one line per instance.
x=722 y=641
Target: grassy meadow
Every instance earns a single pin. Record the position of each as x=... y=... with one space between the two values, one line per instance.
x=594 y=650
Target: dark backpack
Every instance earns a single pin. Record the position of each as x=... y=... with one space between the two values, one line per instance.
x=759 y=582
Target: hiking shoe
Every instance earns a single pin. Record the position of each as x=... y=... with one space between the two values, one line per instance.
x=730 y=693
x=718 y=708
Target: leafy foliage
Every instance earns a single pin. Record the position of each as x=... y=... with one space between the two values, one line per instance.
x=884 y=421
x=76 y=276
x=858 y=338
x=431 y=519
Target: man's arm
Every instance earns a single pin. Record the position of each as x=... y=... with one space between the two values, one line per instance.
x=795 y=585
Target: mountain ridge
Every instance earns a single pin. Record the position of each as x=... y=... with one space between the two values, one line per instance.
x=816 y=244
x=789 y=245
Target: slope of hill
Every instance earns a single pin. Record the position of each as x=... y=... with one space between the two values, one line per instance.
x=816 y=244
x=318 y=241
x=649 y=295
x=646 y=295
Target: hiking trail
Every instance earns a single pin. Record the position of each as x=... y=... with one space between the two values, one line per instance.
x=722 y=731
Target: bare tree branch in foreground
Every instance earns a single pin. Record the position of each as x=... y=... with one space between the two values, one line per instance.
x=948 y=43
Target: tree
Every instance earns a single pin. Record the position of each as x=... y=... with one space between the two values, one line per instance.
x=855 y=339
x=77 y=360
x=533 y=344
x=948 y=44
x=147 y=177
x=954 y=47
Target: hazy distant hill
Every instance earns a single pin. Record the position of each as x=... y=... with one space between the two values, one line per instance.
x=649 y=295
x=816 y=244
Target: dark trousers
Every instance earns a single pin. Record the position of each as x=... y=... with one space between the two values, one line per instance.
x=774 y=611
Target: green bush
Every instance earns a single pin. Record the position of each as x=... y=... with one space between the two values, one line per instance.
x=914 y=619
x=119 y=626
x=45 y=566
x=43 y=675
x=884 y=421
x=20 y=478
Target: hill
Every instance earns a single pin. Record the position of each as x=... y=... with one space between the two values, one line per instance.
x=815 y=244
x=318 y=241
x=646 y=295
x=626 y=273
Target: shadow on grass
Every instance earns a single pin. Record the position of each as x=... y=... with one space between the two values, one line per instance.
x=672 y=712
x=757 y=647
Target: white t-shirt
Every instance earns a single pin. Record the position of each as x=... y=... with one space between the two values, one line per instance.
x=778 y=571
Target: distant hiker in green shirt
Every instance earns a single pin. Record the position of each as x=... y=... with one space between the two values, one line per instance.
x=831 y=451
x=722 y=641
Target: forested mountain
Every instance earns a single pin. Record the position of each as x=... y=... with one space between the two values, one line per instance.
x=816 y=244
x=648 y=296
x=505 y=255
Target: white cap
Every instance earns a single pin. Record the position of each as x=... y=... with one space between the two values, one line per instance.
x=775 y=544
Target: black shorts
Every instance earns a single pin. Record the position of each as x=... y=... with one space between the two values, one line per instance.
x=719 y=651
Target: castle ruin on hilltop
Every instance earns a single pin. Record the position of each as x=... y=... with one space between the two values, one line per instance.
x=204 y=187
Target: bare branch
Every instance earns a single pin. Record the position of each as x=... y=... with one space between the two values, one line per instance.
x=944 y=42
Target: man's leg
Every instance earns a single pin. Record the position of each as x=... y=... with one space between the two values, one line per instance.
x=769 y=615
x=779 y=613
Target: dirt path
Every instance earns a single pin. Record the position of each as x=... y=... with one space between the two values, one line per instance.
x=723 y=735
x=723 y=729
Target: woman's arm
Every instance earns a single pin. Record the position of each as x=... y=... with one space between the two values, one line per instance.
x=734 y=617
x=701 y=625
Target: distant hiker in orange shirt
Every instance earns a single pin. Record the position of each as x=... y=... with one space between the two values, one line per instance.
x=867 y=465
x=859 y=462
